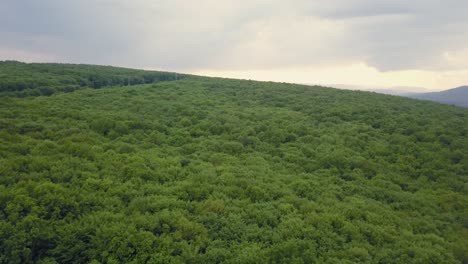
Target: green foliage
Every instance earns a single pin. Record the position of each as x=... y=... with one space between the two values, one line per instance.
x=34 y=79
x=207 y=170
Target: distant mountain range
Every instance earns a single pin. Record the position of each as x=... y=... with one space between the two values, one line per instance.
x=393 y=90
x=456 y=96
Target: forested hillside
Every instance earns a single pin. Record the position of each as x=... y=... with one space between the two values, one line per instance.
x=209 y=170
x=33 y=79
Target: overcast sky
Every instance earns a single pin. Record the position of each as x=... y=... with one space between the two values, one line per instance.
x=418 y=43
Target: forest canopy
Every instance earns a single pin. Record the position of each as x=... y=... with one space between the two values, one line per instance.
x=33 y=79
x=210 y=170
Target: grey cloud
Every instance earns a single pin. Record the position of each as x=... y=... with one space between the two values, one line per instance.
x=256 y=34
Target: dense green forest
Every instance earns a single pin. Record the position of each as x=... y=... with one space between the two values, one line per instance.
x=210 y=170
x=33 y=79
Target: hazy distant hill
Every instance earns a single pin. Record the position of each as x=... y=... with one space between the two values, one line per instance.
x=392 y=90
x=457 y=96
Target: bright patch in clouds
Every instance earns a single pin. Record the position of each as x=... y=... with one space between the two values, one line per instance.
x=25 y=55
x=359 y=75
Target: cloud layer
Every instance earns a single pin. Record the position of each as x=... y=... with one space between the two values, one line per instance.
x=388 y=35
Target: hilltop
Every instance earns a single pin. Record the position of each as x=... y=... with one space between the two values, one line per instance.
x=36 y=79
x=211 y=170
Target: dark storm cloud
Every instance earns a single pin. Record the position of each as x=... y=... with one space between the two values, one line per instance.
x=256 y=34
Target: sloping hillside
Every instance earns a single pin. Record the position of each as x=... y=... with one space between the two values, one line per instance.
x=209 y=170
x=456 y=96
x=34 y=79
